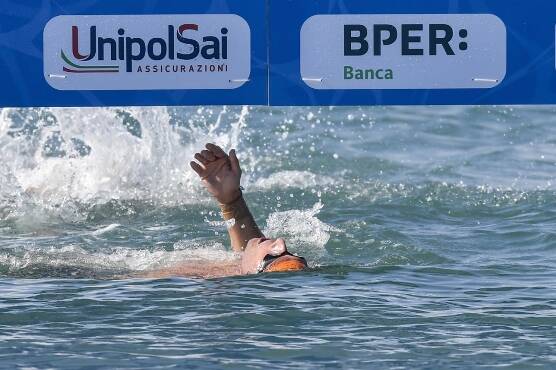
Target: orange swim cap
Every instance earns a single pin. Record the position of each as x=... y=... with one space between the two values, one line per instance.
x=284 y=262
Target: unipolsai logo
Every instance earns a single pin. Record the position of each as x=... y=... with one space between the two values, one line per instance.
x=129 y=49
x=147 y=51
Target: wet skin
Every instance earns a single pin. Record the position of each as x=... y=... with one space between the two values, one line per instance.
x=220 y=174
x=258 y=248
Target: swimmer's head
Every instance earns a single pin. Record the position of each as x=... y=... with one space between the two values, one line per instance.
x=269 y=255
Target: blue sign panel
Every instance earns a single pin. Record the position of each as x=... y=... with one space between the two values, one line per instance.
x=277 y=52
x=362 y=52
x=129 y=52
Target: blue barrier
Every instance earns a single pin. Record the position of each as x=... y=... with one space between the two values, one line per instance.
x=525 y=50
x=277 y=52
x=131 y=52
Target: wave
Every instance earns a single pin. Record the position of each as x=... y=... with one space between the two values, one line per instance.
x=74 y=261
x=445 y=194
x=293 y=179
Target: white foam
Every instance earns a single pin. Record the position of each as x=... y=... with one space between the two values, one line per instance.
x=55 y=161
x=293 y=179
x=115 y=258
x=303 y=231
x=105 y=229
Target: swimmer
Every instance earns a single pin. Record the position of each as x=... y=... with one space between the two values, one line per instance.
x=220 y=173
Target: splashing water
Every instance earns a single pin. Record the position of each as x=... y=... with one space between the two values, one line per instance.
x=67 y=167
x=304 y=232
x=293 y=179
x=430 y=230
x=75 y=261
x=58 y=161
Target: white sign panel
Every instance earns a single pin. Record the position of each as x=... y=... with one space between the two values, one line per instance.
x=403 y=51
x=147 y=52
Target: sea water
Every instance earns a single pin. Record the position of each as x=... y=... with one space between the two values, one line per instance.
x=430 y=232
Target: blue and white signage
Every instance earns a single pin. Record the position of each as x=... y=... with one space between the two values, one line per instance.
x=117 y=52
x=383 y=52
x=403 y=51
x=276 y=52
x=113 y=53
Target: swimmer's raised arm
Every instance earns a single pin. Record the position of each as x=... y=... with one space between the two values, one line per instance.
x=221 y=174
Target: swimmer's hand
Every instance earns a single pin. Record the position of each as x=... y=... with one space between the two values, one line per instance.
x=219 y=172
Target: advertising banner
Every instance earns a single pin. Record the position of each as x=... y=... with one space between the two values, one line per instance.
x=127 y=52
x=396 y=52
x=430 y=51
x=277 y=52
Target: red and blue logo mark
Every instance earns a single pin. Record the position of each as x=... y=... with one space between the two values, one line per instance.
x=74 y=67
x=104 y=51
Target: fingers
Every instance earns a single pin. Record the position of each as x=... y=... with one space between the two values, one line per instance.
x=234 y=163
x=201 y=159
x=213 y=153
x=216 y=150
x=208 y=155
x=197 y=168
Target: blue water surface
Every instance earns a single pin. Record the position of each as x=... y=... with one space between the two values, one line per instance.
x=430 y=233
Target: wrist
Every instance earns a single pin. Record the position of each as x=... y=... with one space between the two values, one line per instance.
x=230 y=198
x=236 y=209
